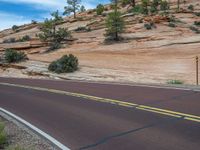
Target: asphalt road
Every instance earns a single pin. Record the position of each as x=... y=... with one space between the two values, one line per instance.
x=81 y=123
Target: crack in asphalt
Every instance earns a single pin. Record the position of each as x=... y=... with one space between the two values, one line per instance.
x=108 y=138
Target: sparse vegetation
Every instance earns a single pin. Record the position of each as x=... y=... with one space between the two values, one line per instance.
x=51 y=34
x=13 y=40
x=100 y=9
x=65 y=64
x=12 y=56
x=175 y=82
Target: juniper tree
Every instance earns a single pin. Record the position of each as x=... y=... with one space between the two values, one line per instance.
x=100 y=8
x=51 y=34
x=82 y=9
x=73 y=7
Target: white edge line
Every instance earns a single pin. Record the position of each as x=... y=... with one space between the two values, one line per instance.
x=32 y=127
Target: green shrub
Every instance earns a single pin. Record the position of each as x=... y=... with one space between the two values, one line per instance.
x=79 y=29
x=164 y=5
x=25 y=38
x=197 y=23
x=33 y=22
x=100 y=9
x=138 y=9
x=12 y=56
x=171 y=25
x=197 y=14
x=172 y=19
x=148 y=26
x=154 y=6
x=175 y=82
x=196 y=30
x=14 y=28
x=11 y=40
x=191 y=7
x=65 y=64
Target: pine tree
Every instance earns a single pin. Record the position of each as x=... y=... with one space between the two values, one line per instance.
x=73 y=7
x=114 y=23
x=82 y=9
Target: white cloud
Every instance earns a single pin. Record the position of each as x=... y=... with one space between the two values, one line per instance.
x=54 y=4
x=8 y=20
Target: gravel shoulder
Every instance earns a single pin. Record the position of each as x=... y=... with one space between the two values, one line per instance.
x=20 y=135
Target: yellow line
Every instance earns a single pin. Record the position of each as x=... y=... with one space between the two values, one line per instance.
x=191 y=119
x=163 y=113
x=115 y=102
x=169 y=111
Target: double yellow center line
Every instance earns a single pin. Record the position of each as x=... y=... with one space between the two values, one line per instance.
x=112 y=101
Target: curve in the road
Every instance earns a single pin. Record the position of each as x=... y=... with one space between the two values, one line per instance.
x=185 y=116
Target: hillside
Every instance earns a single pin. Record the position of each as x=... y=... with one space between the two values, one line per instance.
x=146 y=56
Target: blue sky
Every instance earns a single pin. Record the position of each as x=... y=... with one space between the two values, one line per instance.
x=18 y=12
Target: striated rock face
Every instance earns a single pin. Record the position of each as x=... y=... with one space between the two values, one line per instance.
x=148 y=56
x=22 y=45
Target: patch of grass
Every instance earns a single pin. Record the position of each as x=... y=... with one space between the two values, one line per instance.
x=16 y=148
x=13 y=56
x=175 y=82
x=65 y=64
x=3 y=137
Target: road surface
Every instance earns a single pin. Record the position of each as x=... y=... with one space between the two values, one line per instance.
x=107 y=116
